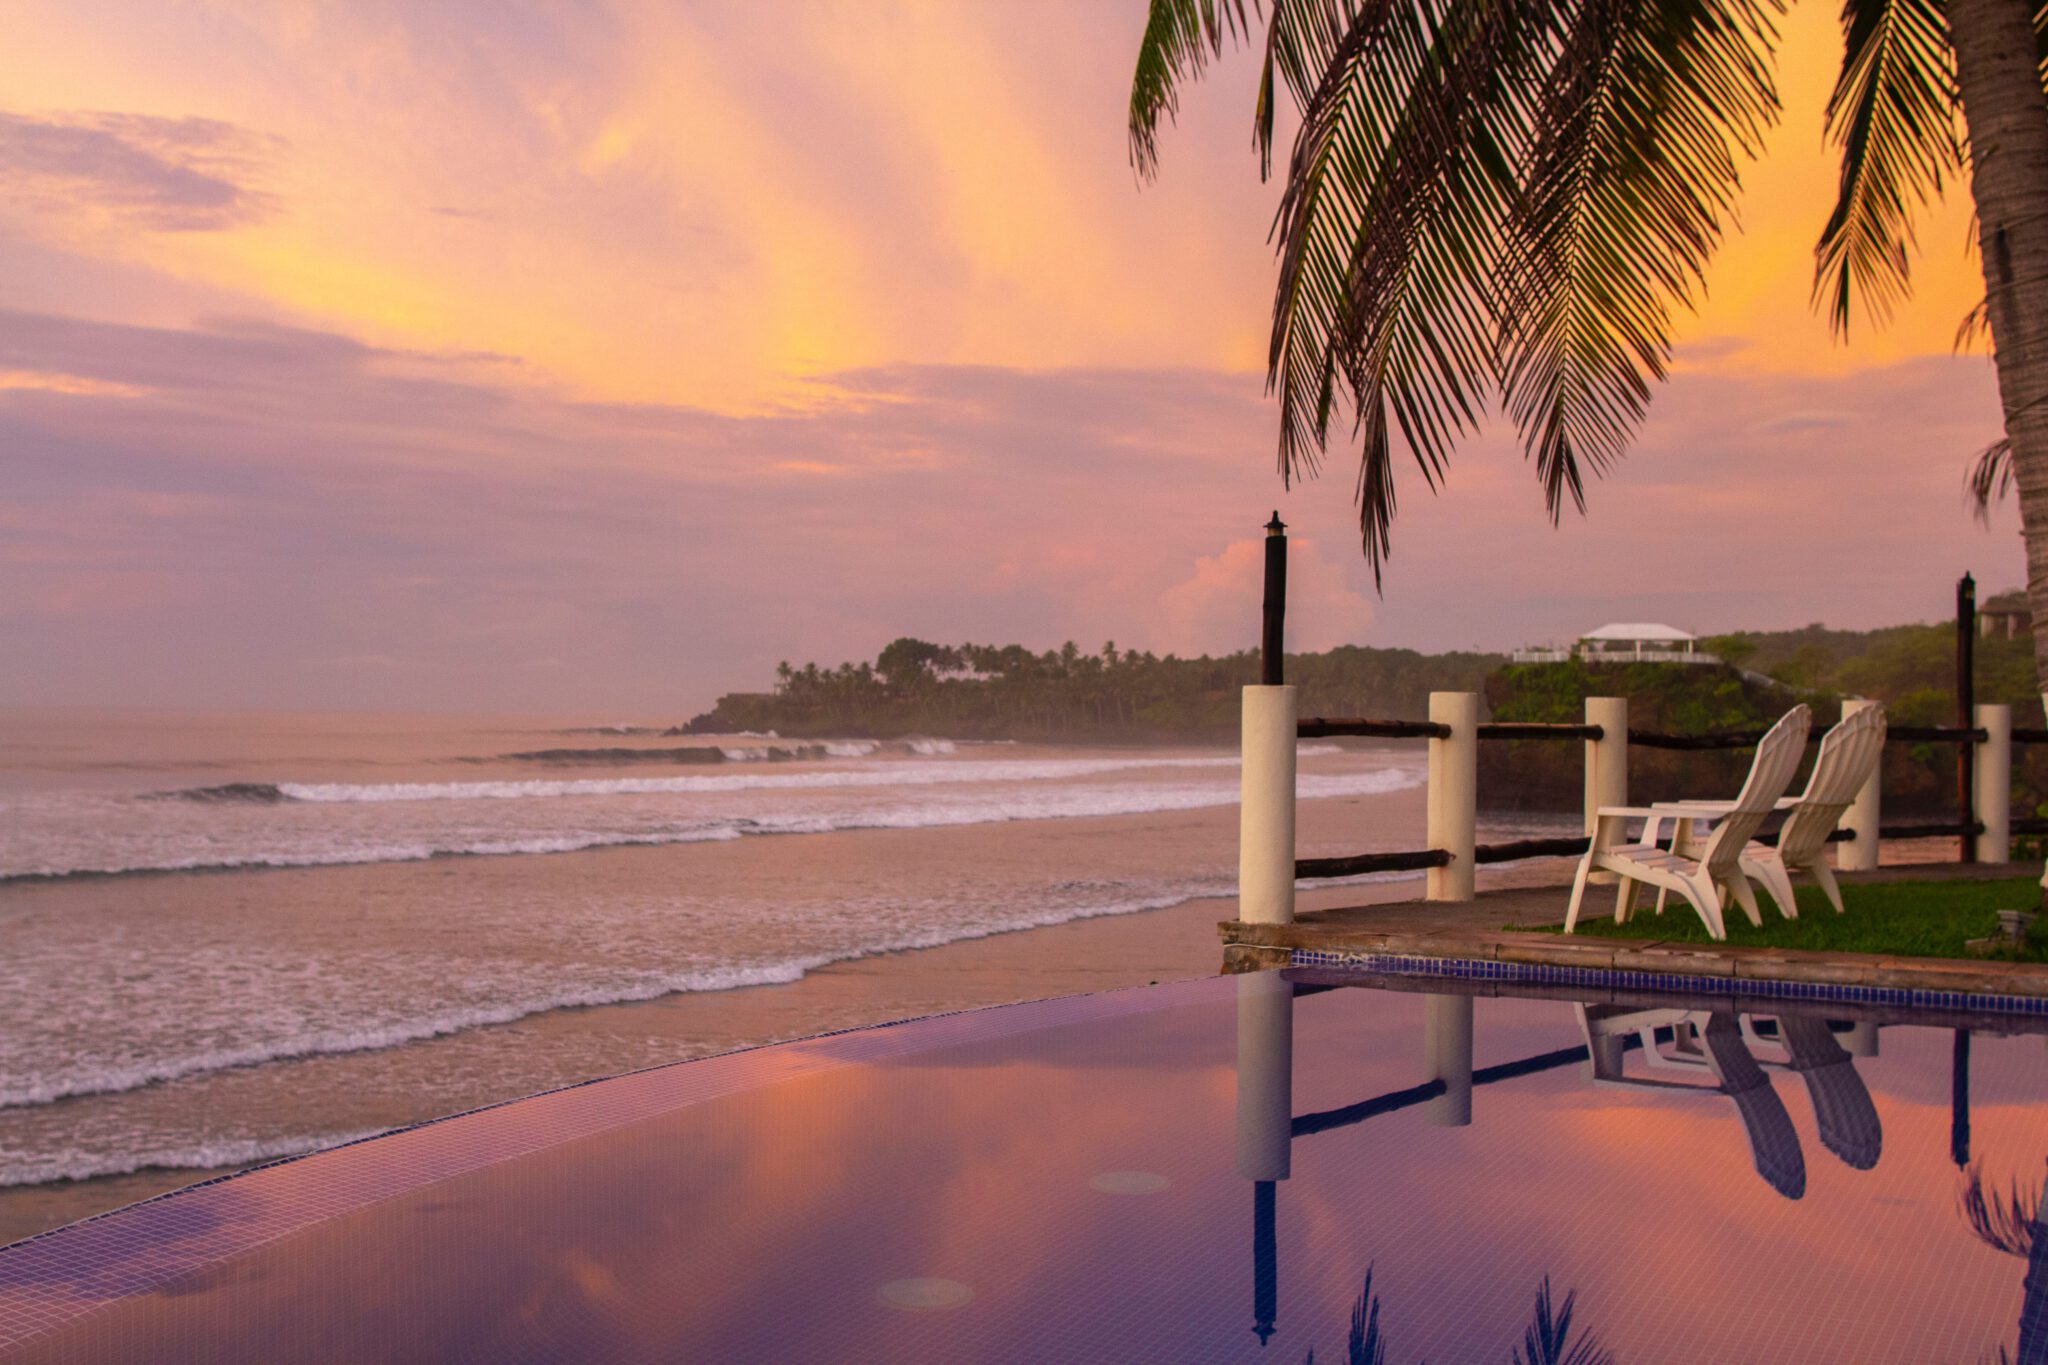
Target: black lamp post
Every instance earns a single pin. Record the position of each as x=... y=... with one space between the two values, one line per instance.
x=1272 y=643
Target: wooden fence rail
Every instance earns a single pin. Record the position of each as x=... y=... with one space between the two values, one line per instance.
x=1346 y=727
x=1984 y=736
x=1446 y=738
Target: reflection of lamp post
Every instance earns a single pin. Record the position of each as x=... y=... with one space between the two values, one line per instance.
x=1447 y=1055
x=1265 y=1262
x=1959 y=1100
x=1265 y=1119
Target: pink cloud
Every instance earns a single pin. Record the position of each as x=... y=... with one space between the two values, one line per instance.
x=1216 y=610
x=166 y=175
x=287 y=494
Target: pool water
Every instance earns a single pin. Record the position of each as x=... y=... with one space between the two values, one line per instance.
x=1243 y=1168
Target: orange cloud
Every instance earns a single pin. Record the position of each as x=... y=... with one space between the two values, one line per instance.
x=703 y=205
x=1758 y=310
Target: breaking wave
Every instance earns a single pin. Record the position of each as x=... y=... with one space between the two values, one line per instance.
x=687 y=754
x=727 y=753
x=204 y=1156
x=254 y=793
x=1036 y=802
x=886 y=774
x=114 y=1080
x=121 y=1079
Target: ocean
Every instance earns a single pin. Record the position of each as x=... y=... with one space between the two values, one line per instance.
x=230 y=937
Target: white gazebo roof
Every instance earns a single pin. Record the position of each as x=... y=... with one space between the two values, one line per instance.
x=1640 y=630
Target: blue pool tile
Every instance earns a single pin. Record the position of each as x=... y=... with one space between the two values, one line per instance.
x=1609 y=979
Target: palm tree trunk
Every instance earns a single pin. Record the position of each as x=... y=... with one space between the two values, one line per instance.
x=2007 y=117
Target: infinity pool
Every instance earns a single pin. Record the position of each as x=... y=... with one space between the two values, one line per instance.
x=1210 y=1171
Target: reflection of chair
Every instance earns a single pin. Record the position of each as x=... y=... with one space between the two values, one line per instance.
x=1710 y=1044
x=1699 y=878
x=1841 y=1102
x=1849 y=754
x=1773 y=1144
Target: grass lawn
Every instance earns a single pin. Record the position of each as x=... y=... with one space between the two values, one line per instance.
x=1916 y=919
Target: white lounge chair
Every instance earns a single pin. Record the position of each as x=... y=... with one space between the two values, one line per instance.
x=1699 y=877
x=1849 y=754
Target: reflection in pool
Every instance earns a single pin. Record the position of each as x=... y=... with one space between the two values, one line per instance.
x=1235 y=1169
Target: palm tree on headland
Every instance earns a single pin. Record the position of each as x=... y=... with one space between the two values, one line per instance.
x=1504 y=200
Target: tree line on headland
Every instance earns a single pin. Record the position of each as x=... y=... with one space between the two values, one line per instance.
x=969 y=691
x=1911 y=669
x=1007 y=692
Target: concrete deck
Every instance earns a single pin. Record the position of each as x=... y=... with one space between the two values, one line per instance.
x=1478 y=929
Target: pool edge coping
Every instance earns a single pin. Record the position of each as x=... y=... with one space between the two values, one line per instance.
x=1692 y=967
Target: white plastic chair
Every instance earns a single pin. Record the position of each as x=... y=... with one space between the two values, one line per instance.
x=1699 y=878
x=1849 y=754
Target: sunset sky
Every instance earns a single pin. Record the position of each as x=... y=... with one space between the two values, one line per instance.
x=594 y=357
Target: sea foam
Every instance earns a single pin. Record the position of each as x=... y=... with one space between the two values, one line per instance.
x=114 y=1080
x=1029 y=801
x=895 y=773
x=437 y=1024
x=72 y=1164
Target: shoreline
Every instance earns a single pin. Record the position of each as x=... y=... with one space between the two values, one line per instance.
x=1075 y=956
x=1079 y=956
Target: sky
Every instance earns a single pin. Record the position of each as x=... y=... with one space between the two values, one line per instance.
x=517 y=355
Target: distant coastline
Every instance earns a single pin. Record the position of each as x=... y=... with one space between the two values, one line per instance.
x=988 y=692
x=914 y=689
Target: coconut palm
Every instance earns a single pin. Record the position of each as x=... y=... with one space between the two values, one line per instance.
x=1503 y=201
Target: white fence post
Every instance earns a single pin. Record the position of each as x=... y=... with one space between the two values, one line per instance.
x=1454 y=793
x=1265 y=849
x=1606 y=761
x=1994 y=783
x=1861 y=819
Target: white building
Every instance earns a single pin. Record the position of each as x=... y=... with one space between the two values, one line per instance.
x=1631 y=642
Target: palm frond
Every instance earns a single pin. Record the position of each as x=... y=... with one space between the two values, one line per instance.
x=1547 y=1339
x=1631 y=171
x=1990 y=479
x=2041 y=41
x=1483 y=197
x=1181 y=38
x=1893 y=115
x=1975 y=328
x=1300 y=42
x=1397 y=186
x=2004 y=1222
x=1366 y=1346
